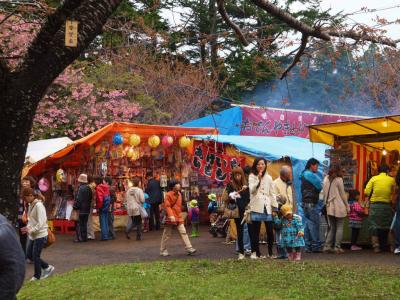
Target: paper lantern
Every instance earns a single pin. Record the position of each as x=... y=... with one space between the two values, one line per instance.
x=167 y=141
x=154 y=141
x=184 y=142
x=43 y=184
x=117 y=139
x=134 y=140
x=130 y=152
x=135 y=154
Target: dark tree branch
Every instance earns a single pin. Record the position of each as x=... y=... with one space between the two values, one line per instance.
x=290 y=20
x=224 y=15
x=363 y=36
x=296 y=59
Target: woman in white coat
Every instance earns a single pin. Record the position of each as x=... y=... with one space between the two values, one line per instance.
x=134 y=200
x=337 y=208
x=262 y=205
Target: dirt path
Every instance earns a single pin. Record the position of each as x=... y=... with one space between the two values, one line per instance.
x=66 y=255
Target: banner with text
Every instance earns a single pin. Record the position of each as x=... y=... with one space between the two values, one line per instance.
x=276 y=122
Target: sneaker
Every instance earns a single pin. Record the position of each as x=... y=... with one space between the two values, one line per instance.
x=339 y=251
x=164 y=253
x=253 y=255
x=47 y=272
x=397 y=251
x=262 y=242
x=272 y=256
x=241 y=256
x=33 y=279
x=355 y=248
x=262 y=257
x=327 y=250
x=191 y=251
x=247 y=252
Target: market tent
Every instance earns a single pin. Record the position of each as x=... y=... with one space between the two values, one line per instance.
x=40 y=149
x=379 y=133
x=142 y=130
x=299 y=150
x=227 y=122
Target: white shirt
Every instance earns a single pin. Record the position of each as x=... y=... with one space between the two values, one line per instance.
x=263 y=196
x=37 y=220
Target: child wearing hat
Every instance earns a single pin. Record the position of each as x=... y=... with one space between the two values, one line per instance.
x=194 y=216
x=212 y=208
x=292 y=232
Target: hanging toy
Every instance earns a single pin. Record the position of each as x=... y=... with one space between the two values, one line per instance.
x=167 y=141
x=184 y=142
x=43 y=184
x=134 y=140
x=60 y=176
x=117 y=139
x=154 y=141
x=130 y=152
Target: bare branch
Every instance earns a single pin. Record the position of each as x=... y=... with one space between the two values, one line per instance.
x=351 y=34
x=8 y=16
x=296 y=59
x=290 y=20
x=224 y=15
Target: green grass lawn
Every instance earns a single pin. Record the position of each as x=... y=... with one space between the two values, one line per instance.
x=225 y=279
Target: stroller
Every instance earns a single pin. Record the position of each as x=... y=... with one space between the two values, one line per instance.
x=219 y=227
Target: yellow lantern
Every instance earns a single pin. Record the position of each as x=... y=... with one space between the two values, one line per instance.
x=130 y=152
x=135 y=154
x=184 y=142
x=154 y=141
x=134 y=140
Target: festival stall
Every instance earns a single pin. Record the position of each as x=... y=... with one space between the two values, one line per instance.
x=121 y=151
x=360 y=146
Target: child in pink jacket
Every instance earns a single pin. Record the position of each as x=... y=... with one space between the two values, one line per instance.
x=356 y=216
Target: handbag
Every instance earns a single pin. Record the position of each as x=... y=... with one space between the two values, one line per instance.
x=74 y=215
x=231 y=211
x=51 y=238
x=143 y=212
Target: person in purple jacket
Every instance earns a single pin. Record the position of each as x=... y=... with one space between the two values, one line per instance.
x=194 y=217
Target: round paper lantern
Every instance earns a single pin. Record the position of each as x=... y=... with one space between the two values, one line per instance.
x=167 y=141
x=184 y=142
x=134 y=140
x=130 y=152
x=43 y=184
x=135 y=154
x=154 y=141
x=117 y=139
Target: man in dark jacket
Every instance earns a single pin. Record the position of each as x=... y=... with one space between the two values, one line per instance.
x=12 y=261
x=311 y=186
x=83 y=200
x=113 y=195
x=154 y=191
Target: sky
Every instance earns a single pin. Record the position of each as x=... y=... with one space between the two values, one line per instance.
x=386 y=9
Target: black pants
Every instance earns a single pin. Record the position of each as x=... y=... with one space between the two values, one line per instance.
x=354 y=235
x=154 y=216
x=22 y=236
x=239 y=229
x=136 y=221
x=254 y=230
x=110 y=219
x=383 y=238
x=82 y=223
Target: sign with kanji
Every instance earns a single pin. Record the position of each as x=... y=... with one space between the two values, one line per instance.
x=209 y=161
x=71 y=33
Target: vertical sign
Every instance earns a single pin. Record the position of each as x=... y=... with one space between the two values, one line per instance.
x=71 y=33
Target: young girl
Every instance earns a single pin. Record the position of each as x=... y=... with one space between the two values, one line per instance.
x=194 y=216
x=37 y=234
x=355 y=218
x=292 y=232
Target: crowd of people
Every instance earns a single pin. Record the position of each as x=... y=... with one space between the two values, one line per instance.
x=250 y=199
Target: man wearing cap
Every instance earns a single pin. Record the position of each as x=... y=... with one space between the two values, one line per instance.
x=82 y=203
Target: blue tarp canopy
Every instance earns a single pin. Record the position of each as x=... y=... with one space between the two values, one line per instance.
x=274 y=148
x=227 y=122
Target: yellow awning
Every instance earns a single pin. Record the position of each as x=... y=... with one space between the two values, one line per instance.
x=382 y=132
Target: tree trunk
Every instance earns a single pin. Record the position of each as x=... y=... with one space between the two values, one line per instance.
x=212 y=11
x=21 y=90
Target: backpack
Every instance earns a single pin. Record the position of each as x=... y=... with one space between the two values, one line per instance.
x=106 y=203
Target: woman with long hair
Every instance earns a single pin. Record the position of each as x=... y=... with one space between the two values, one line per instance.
x=237 y=193
x=337 y=208
x=262 y=204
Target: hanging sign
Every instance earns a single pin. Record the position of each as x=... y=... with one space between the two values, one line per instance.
x=71 y=33
x=210 y=161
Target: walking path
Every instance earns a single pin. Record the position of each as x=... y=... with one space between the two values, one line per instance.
x=66 y=255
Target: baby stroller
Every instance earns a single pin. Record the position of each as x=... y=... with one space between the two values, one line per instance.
x=220 y=227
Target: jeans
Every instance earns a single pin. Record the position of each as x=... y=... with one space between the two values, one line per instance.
x=33 y=252
x=135 y=221
x=103 y=216
x=311 y=230
x=83 y=220
x=282 y=253
x=154 y=216
x=239 y=230
x=110 y=219
x=354 y=235
x=335 y=232
x=246 y=239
